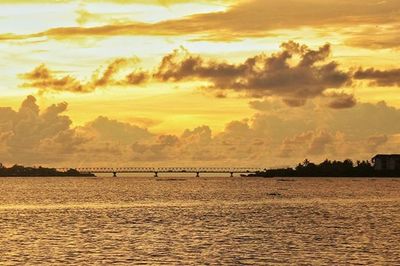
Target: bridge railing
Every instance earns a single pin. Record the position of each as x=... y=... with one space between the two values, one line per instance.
x=164 y=169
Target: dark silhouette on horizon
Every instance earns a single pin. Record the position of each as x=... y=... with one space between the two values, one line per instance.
x=21 y=171
x=347 y=168
x=327 y=168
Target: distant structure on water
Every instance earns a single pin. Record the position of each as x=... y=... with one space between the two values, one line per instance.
x=386 y=162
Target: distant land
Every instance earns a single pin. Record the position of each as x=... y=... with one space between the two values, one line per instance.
x=21 y=171
x=327 y=168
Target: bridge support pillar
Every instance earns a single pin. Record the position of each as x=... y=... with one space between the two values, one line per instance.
x=155 y=174
x=197 y=174
x=114 y=174
x=231 y=174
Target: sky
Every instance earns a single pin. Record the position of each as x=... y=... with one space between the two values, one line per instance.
x=252 y=83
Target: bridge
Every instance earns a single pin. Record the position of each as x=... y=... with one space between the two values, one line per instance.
x=158 y=170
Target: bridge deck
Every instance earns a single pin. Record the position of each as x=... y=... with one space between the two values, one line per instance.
x=156 y=170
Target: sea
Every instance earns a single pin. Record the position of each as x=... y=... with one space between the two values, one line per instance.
x=210 y=220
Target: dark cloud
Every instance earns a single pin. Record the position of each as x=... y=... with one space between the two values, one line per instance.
x=109 y=72
x=341 y=100
x=262 y=75
x=278 y=74
x=295 y=102
x=295 y=74
x=46 y=80
x=389 y=77
x=136 y=78
x=181 y=65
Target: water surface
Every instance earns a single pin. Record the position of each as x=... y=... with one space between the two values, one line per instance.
x=208 y=220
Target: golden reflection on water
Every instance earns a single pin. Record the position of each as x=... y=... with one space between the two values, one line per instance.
x=140 y=220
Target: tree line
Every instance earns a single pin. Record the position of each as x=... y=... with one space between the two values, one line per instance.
x=21 y=171
x=328 y=168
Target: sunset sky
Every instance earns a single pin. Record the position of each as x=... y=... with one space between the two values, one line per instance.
x=260 y=83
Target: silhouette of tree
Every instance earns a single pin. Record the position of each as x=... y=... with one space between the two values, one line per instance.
x=328 y=168
x=19 y=170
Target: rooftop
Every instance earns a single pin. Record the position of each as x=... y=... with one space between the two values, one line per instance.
x=386 y=156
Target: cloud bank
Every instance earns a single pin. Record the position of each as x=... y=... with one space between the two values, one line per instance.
x=33 y=136
x=295 y=74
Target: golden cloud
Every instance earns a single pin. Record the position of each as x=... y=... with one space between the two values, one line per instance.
x=263 y=75
x=253 y=18
x=258 y=76
x=341 y=100
x=45 y=80
x=27 y=134
x=389 y=77
x=149 y=2
x=376 y=37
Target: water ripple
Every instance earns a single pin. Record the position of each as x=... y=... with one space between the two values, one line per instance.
x=234 y=221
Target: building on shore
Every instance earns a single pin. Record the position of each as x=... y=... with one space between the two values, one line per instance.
x=386 y=161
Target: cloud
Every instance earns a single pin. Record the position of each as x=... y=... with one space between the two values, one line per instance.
x=136 y=78
x=162 y=148
x=376 y=37
x=13 y=37
x=360 y=122
x=125 y=2
x=105 y=129
x=295 y=102
x=278 y=74
x=33 y=135
x=366 y=119
x=34 y=1
x=46 y=80
x=319 y=142
x=253 y=18
x=262 y=75
x=109 y=72
x=29 y=136
x=341 y=100
x=294 y=74
x=382 y=78
x=307 y=143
